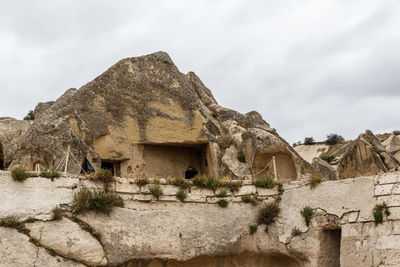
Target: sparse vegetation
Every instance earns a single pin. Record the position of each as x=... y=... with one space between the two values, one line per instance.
x=104 y=175
x=307 y=212
x=267 y=213
x=100 y=201
x=214 y=114
x=30 y=116
x=316 y=179
x=181 y=195
x=333 y=139
x=181 y=182
x=142 y=181
x=52 y=174
x=296 y=231
x=209 y=182
x=233 y=186
x=266 y=181
x=34 y=241
x=328 y=159
x=396 y=132
x=253 y=228
x=249 y=199
x=378 y=212
x=222 y=203
x=156 y=190
x=10 y=221
x=240 y=156
x=309 y=140
x=19 y=174
x=57 y=213
x=30 y=220
x=222 y=193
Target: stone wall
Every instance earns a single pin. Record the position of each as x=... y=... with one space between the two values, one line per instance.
x=167 y=232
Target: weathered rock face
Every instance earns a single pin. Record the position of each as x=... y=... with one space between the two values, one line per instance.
x=197 y=232
x=360 y=157
x=391 y=142
x=142 y=117
x=11 y=135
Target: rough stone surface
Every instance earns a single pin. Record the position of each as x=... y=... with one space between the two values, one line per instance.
x=67 y=239
x=327 y=170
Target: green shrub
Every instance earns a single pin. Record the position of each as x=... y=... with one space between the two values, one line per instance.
x=209 y=182
x=309 y=140
x=100 y=201
x=253 y=228
x=396 y=132
x=104 y=175
x=57 y=213
x=249 y=199
x=50 y=174
x=222 y=203
x=267 y=213
x=181 y=182
x=333 y=139
x=307 y=212
x=34 y=241
x=233 y=186
x=10 y=221
x=30 y=116
x=266 y=181
x=19 y=174
x=222 y=193
x=142 y=181
x=30 y=220
x=181 y=195
x=378 y=212
x=296 y=231
x=328 y=159
x=316 y=179
x=156 y=190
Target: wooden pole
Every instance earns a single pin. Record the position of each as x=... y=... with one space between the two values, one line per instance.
x=274 y=162
x=67 y=159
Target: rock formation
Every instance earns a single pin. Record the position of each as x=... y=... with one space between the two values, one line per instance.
x=360 y=157
x=142 y=117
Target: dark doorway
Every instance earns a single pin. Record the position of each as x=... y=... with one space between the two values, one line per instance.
x=114 y=166
x=87 y=167
x=190 y=173
x=1 y=157
x=330 y=248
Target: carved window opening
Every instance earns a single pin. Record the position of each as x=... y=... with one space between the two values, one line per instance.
x=190 y=173
x=113 y=165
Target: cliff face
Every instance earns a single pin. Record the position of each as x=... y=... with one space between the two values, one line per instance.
x=167 y=232
x=140 y=114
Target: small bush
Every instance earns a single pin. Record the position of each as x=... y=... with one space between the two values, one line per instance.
x=307 y=212
x=316 y=179
x=156 y=190
x=104 y=175
x=222 y=193
x=249 y=199
x=209 y=182
x=232 y=185
x=181 y=195
x=267 y=181
x=100 y=201
x=50 y=174
x=378 y=212
x=223 y=203
x=30 y=220
x=396 y=132
x=19 y=174
x=268 y=213
x=57 y=213
x=30 y=116
x=253 y=228
x=10 y=221
x=328 y=159
x=309 y=140
x=333 y=139
x=181 y=182
x=296 y=231
x=34 y=241
x=142 y=181
x=240 y=156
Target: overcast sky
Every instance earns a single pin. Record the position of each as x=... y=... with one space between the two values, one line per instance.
x=309 y=67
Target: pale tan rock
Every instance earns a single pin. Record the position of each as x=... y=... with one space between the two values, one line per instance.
x=67 y=239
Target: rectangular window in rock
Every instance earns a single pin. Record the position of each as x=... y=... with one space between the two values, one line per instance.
x=330 y=248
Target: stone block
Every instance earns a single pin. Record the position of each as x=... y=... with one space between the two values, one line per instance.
x=352 y=230
x=396 y=189
x=391 y=201
x=394 y=213
x=127 y=188
x=391 y=178
x=388 y=242
x=196 y=198
x=169 y=190
x=369 y=229
x=396 y=227
x=213 y=200
x=393 y=258
x=197 y=191
x=382 y=190
x=246 y=190
x=168 y=198
x=141 y=197
x=267 y=192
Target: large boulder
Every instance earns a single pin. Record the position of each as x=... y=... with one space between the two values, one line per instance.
x=143 y=117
